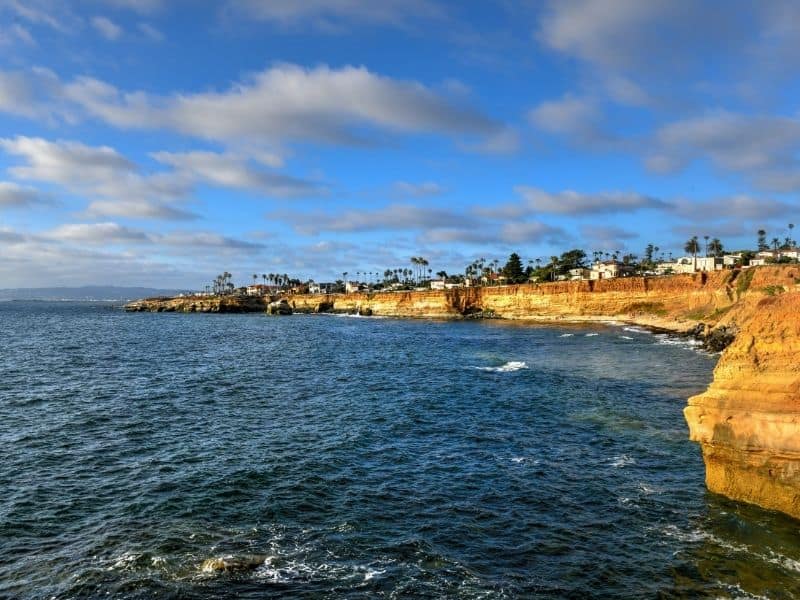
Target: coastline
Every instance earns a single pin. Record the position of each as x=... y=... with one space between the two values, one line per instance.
x=747 y=422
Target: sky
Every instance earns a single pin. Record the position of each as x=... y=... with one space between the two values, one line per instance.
x=162 y=142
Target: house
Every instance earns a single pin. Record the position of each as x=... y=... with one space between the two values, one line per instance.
x=437 y=284
x=580 y=273
x=353 y=286
x=691 y=264
x=609 y=269
x=710 y=263
x=731 y=260
x=260 y=289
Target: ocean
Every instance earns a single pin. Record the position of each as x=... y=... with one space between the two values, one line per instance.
x=339 y=457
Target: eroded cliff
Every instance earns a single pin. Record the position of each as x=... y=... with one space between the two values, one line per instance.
x=748 y=421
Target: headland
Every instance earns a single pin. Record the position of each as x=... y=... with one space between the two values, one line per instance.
x=747 y=422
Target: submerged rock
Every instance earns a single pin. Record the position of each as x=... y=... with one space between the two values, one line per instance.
x=233 y=563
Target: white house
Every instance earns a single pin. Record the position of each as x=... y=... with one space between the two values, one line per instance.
x=580 y=273
x=609 y=270
x=353 y=286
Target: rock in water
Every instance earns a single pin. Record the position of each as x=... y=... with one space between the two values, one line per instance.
x=232 y=563
x=279 y=307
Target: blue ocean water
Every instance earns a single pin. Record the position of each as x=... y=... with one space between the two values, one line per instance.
x=361 y=458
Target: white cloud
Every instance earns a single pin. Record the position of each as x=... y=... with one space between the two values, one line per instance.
x=16 y=33
x=96 y=233
x=15 y=195
x=99 y=172
x=531 y=232
x=350 y=105
x=107 y=28
x=150 y=32
x=577 y=118
x=763 y=148
x=388 y=218
x=569 y=202
x=139 y=6
x=328 y=14
x=233 y=171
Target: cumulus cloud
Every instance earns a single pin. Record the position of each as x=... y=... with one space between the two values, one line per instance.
x=350 y=105
x=569 y=202
x=107 y=28
x=116 y=186
x=764 y=148
x=99 y=172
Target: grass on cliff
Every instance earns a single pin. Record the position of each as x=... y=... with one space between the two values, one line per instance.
x=773 y=290
x=652 y=308
x=704 y=314
x=743 y=282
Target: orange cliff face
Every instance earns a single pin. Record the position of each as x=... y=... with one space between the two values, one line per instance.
x=677 y=302
x=748 y=421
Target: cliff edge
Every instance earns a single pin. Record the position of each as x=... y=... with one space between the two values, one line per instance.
x=748 y=421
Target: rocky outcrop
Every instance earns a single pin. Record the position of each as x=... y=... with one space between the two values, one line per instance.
x=202 y=304
x=748 y=421
x=279 y=307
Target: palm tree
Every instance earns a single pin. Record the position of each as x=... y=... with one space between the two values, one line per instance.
x=553 y=260
x=762 y=240
x=791 y=226
x=705 y=237
x=255 y=278
x=692 y=247
x=715 y=247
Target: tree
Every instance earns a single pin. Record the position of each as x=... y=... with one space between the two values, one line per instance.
x=762 y=240
x=715 y=247
x=791 y=241
x=693 y=247
x=705 y=237
x=513 y=269
x=571 y=259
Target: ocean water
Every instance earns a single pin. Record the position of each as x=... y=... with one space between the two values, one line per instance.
x=361 y=458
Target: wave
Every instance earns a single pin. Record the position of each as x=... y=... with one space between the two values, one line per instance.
x=591 y=334
x=623 y=460
x=625 y=337
x=566 y=335
x=509 y=367
x=634 y=329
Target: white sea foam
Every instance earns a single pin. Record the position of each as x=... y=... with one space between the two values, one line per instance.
x=509 y=367
x=635 y=330
x=591 y=334
x=566 y=335
x=625 y=337
x=623 y=460
x=517 y=459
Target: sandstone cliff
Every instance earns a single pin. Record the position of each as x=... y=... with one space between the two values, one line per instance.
x=748 y=421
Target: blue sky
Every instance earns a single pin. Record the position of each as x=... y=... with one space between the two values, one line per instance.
x=155 y=142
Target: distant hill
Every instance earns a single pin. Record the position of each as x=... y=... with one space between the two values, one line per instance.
x=89 y=292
